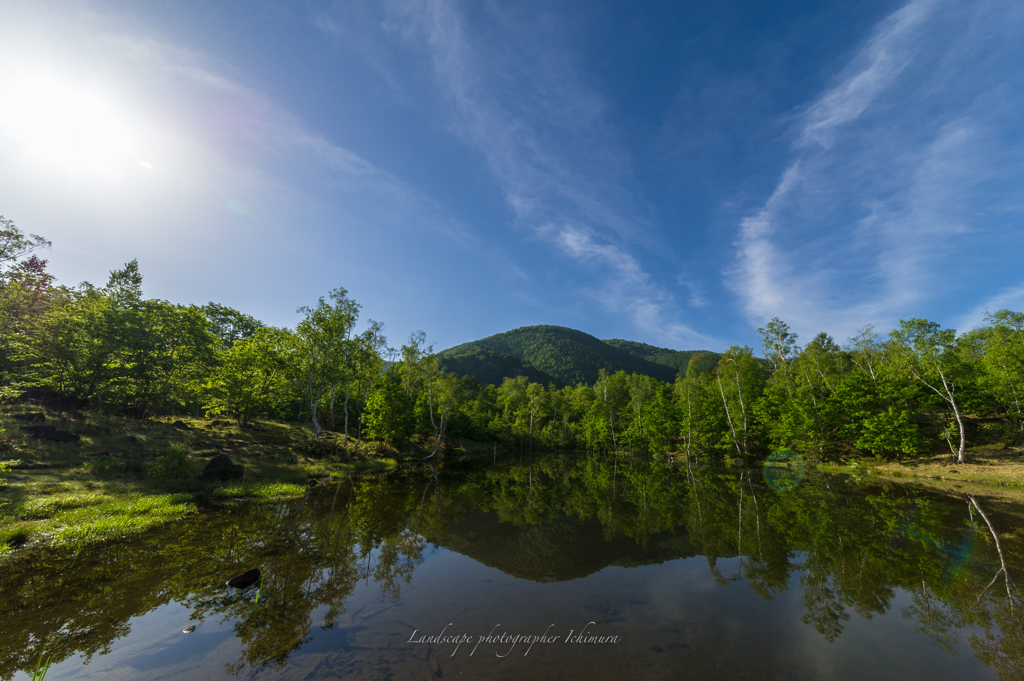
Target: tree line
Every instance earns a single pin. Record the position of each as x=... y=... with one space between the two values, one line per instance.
x=920 y=389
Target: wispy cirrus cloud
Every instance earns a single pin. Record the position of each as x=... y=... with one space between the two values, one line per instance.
x=512 y=89
x=627 y=288
x=888 y=166
x=1011 y=298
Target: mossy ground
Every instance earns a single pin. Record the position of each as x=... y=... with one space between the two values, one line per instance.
x=988 y=468
x=113 y=482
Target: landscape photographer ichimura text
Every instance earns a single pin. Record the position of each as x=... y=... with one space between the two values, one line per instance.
x=507 y=641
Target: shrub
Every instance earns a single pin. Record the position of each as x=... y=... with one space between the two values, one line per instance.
x=174 y=465
x=320 y=447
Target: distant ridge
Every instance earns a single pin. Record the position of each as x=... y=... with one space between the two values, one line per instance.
x=557 y=354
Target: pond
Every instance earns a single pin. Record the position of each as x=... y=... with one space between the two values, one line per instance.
x=593 y=567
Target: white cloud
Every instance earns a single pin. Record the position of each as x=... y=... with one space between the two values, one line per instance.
x=523 y=103
x=874 y=68
x=877 y=209
x=627 y=288
x=1008 y=299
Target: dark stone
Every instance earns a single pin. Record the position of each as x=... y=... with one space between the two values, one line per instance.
x=180 y=424
x=63 y=436
x=28 y=465
x=222 y=468
x=32 y=416
x=43 y=432
x=131 y=438
x=244 y=580
x=189 y=629
x=45 y=397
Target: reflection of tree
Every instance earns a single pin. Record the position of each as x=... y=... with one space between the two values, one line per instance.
x=933 y=618
x=823 y=609
x=1010 y=586
x=550 y=519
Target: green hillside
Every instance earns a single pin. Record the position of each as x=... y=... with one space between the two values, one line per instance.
x=677 y=359
x=490 y=366
x=559 y=354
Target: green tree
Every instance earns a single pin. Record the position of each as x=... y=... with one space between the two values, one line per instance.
x=779 y=342
x=935 y=357
x=321 y=341
x=15 y=244
x=251 y=379
x=388 y=415
x=1002 y=365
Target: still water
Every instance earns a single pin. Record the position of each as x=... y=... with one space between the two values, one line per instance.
x=590 y=567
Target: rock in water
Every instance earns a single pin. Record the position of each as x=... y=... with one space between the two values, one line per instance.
x=189 y=629
x=244 y=580
x=222 y=468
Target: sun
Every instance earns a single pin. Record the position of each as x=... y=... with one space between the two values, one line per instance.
x=65 y=125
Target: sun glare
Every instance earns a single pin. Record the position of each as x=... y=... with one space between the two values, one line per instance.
x=59 y=124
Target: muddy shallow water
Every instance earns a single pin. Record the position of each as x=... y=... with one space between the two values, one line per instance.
x=570 y=567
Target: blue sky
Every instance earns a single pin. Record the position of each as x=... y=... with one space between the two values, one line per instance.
x=675 y=173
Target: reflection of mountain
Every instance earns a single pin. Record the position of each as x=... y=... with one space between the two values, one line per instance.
x=851 y=546
x=558 y=549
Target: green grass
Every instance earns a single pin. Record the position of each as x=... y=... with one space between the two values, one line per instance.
x=269 y=490
x=125 y=476
x=75 y=516
x=41 y=668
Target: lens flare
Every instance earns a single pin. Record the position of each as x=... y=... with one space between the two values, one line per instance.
x=236 y=207
x=784 y=470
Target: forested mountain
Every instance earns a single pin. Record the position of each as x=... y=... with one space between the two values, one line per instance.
x=562 y=355
x=677 y=359
x=491 y=367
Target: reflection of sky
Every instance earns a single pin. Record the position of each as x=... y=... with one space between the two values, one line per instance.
x=669 y=617
x=675 y=174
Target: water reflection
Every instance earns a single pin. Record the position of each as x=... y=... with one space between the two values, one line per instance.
x=946 y=563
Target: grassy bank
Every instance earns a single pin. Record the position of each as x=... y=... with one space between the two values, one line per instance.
x=992 y=466
x=122 y=477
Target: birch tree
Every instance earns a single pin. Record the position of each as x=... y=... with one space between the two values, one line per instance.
x=934 y=357
x=320 y=350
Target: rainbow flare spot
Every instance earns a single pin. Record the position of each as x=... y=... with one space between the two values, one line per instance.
x=784 y=470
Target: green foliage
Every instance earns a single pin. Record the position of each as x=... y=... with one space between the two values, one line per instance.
x=388 y=416
x=891 y=432
x=175 y=464
x=252 y=377
x=317 y=447
x=540 y=386
x=677 y=359
x=490 y=366
x=229 y=324
x=565 y=356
